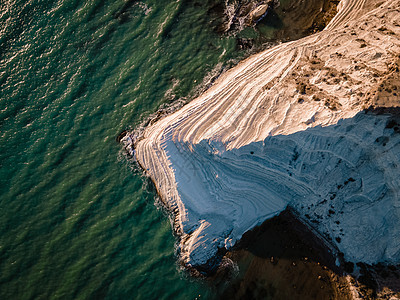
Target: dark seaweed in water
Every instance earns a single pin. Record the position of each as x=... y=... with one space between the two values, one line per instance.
x=123 y=14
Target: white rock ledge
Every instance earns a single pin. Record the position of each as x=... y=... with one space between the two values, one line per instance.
x=286 y=127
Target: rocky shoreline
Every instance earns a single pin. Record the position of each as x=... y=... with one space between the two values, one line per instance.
x=211 y=159
x=245 y=13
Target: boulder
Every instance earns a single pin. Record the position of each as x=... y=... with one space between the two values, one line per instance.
x=258 y=12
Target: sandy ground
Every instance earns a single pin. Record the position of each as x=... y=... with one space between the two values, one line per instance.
x=282 y=259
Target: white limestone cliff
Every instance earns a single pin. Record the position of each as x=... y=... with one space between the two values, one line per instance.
x=286 y=127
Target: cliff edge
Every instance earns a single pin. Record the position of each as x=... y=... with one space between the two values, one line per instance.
x=290 y=127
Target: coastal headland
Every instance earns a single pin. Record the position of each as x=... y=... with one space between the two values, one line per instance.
x=311 y=124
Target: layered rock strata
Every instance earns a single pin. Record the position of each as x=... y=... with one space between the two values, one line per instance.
x=288 y=126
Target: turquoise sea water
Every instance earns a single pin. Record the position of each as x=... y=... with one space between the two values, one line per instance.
x=77 y=220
